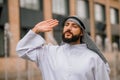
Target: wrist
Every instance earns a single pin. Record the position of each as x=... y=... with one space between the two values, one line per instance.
x=35 y=30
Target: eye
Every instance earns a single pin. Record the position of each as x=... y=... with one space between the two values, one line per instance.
x=66 y=24
x=75 y=26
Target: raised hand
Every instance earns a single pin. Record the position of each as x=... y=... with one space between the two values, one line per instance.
x=45 y=26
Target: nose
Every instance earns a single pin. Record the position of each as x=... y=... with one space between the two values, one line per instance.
x=69 y=27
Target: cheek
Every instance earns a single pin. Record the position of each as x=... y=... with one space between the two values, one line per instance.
x=76 y=32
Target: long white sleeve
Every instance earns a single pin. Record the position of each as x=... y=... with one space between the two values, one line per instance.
x=28 y=45
x=102 y=70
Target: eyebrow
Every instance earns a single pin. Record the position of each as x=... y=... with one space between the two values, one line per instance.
x=72 y=24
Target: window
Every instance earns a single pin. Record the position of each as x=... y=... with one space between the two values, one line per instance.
x=23 y=32
x=1 y=41
x=82 y=8
x=4 y=40
x=30 y=4
x=1 y=1
x=99 y=13
x=114 y=16
x=60 y=7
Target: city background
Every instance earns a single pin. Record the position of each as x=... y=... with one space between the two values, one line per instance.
x=17 y=17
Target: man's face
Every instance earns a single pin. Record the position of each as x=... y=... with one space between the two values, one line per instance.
x=71 y=32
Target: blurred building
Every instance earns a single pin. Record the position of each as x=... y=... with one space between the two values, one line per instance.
x=17 y=17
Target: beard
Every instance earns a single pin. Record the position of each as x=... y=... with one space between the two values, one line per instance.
x=74 y=38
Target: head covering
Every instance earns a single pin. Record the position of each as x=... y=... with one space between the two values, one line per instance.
x=86 y=38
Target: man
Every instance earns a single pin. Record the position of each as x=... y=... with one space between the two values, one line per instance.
x=76 y=59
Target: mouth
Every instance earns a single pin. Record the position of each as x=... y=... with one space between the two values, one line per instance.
x=68 y=34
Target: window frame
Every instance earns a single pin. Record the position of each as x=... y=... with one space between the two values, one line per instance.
x=103 y=12
x=86 y=2
x=39 y=3
x=66 y=11
x=116 y=16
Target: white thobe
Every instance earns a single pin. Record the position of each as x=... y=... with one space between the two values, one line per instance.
x=64 y=62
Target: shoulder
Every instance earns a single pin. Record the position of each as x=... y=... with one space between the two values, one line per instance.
x=93 y=56
x=97 y=60
x=91 y=53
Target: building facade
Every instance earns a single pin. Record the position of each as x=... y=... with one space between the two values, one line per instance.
x=17 y=17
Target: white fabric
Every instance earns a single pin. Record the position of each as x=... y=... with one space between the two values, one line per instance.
x=65 y=62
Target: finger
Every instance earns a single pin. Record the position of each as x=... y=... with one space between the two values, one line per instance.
x=55 y=22
x=49 y=20
x=45 y=22
x=53 y=25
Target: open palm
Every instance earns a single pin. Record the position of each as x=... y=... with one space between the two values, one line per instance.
x=45 y=26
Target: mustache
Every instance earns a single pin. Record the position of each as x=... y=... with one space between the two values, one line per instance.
x=68 y=31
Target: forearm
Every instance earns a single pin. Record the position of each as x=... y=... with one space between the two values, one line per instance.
x=29 y=42
x=28 y=45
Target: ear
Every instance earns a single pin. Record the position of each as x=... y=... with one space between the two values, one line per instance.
x=81 y=32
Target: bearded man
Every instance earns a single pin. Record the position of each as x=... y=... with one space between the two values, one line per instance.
x=77 y=58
